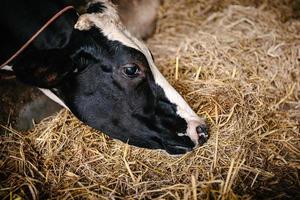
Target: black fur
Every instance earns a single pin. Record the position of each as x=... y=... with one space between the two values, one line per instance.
x=96 y=8
x=85 y=68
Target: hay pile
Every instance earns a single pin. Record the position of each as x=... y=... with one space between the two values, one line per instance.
x=237 y=65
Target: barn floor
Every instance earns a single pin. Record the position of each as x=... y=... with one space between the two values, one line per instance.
x=238 y=64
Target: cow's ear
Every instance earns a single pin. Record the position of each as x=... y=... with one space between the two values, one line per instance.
x=45 y=69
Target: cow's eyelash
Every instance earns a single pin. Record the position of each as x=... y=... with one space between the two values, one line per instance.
x=84 y=61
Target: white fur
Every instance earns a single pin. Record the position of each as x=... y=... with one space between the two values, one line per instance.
x=47 y=92
x=52 y=96
x=110 y=25
x=7 y=67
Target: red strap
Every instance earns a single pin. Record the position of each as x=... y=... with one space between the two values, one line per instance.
x=37 y=34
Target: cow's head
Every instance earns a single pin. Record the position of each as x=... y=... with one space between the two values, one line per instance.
x=108 y=79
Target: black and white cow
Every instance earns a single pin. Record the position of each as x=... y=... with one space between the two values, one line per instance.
x=92 y=66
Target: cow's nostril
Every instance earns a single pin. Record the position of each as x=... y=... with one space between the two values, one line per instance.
x=201 y=129
x=202 y=133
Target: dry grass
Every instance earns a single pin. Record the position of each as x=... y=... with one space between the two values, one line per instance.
x=237 y=65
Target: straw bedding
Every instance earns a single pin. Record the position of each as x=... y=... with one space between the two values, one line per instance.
x=237 y=64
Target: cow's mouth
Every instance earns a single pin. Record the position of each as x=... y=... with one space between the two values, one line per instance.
x=179 y=148
x=172 y=147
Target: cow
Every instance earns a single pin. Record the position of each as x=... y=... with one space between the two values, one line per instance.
x=90 y=64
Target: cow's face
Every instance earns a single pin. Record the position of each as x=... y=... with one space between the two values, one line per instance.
x=115 y=87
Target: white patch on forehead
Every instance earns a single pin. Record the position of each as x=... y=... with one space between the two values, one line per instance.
x=109 y=24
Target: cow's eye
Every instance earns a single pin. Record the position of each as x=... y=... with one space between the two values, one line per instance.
x=131 y=70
